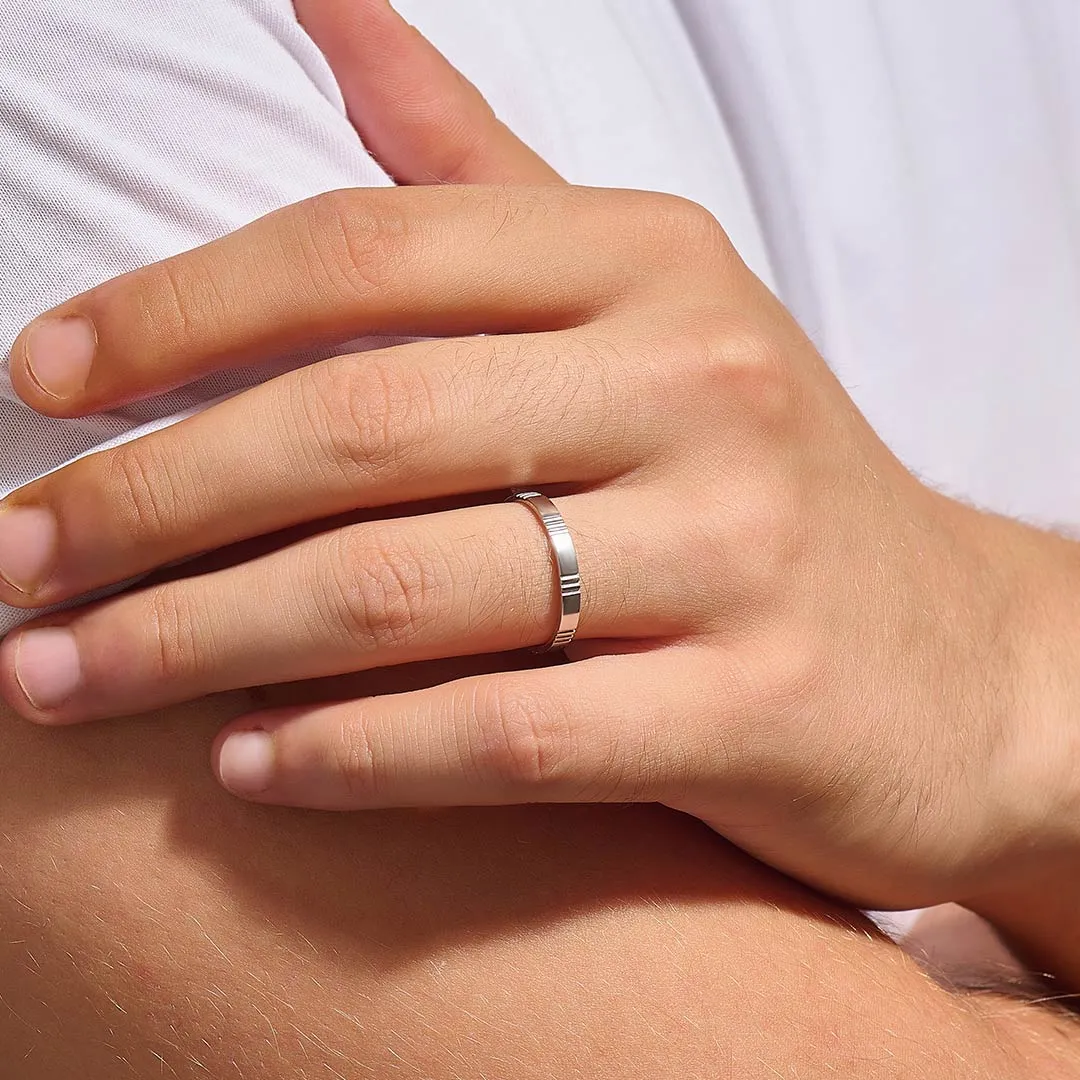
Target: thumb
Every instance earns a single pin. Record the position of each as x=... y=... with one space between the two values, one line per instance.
x=417 y=114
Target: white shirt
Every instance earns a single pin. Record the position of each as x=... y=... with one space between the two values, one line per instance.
x=906 y=173
x=132 y=138
x=916 y=166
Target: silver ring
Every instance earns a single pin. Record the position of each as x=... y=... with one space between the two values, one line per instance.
x=563 y=560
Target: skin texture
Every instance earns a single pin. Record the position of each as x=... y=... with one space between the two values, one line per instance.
x=155 y=926
x=861 y=682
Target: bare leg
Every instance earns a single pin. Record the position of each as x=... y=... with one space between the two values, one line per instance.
x=153 y=926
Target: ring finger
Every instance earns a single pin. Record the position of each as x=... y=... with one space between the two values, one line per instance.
x=461 y=582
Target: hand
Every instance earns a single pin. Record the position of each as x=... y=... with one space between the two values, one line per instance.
x=783 y=631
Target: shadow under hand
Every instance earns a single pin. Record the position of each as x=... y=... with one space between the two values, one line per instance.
x=394 y=887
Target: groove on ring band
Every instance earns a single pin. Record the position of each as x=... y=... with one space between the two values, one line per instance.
x=564 y=561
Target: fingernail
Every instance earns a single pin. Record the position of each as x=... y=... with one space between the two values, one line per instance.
x=59 y=353
x=246 y=762
x=28 y=538
x=47 y=666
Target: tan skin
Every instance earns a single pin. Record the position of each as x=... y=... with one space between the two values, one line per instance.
x=177 y=848
x=154 y=925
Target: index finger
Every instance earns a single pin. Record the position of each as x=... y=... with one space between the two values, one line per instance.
x=427 y=261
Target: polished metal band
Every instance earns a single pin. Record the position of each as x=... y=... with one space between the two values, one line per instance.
x=564 y=561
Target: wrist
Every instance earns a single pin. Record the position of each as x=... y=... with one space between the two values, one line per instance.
x=1033 y=895
x=1036 y=917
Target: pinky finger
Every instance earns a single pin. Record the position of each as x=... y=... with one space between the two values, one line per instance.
x=607 y=729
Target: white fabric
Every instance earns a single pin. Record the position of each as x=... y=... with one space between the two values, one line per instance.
x=914 y=166
x=132 y=130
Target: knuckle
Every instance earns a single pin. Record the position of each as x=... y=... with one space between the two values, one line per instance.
x=371 y=415
x=805 y=665
x=142 y=493
x=386 y=594
x=684 y=228
x=769 y=519
x=351 y=758
x=746 y=372
x=753 y=532
x=173 y=642
x=522 y=737
x=349 y=242
x=765 y=532
x=171 y=296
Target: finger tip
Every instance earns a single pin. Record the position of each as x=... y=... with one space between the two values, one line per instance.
x=14 y=689
x=11 y=693
x=244 y=761
x=58 y=387
x=14 y=597
x=14 y=697
x=30 y=393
